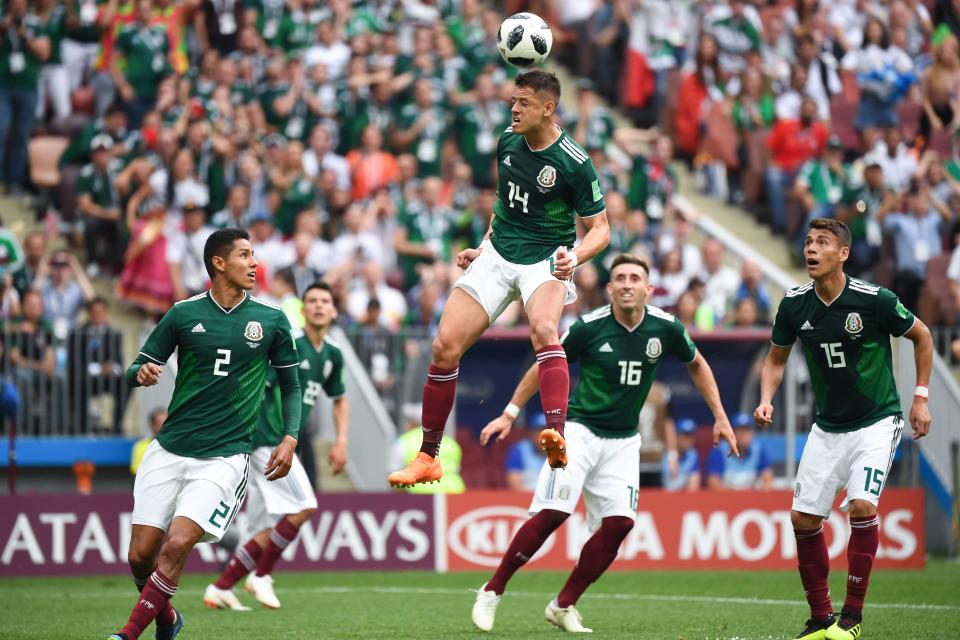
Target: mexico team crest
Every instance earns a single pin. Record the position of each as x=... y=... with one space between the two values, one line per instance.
x=254 y=331
x=547 y=176
x=654 y=348
x=853 y=324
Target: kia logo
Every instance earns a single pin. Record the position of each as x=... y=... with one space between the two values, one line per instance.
x=481 y=536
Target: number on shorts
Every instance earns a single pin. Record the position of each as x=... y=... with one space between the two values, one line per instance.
x=875 y=478
x=630 y=372
x=217 y=371
x=219 y=513
x=516 y=194
x=634 y=497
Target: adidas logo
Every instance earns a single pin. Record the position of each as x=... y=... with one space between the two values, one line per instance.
x=606 y=348
x=199 y=328
x=305 y=365
x=806 y=326
x=506 y=162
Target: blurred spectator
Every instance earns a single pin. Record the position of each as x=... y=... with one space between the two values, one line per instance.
x=426 y=231
x=698 y=89
x=24 y=47
x=355 y=244
x=185 y=253
x=371 y=167
x=98 y=201
x=406 y=446
x=524 y=459
x=180 y=185
x=237 y=213
x=320 y=157
x=269 y=247
x=309 y=261
x=941 y=89
x=746 y=314
x=372 y=286
x=736 y=28
x=34 y=255
x=144 y=49
x=608 y=29
x=283 y=292
x=216 y=24
x=898 y=160
x=678 y=236
x=720 y=280
x=82 y=26
x=96 y=367
x=9 y=301
x=686 y=309
x=53 y=85
x=791 y=144
x=862 y=207
x=154 y=422
x=65 y=289
x=478 y=124
x=751 y=286
x=30 y=346
x=819 y=69
x=421 y=129
x=680 y=468
x=113 y=124
x=751 y=470
x=328 y=50
x=917 y=234
x=946 y=12
x=293 y=191
x=145 y=281
x=753 y=114
x=820 y=185
x=672 y=280
x=653 y=184
x=593 y=125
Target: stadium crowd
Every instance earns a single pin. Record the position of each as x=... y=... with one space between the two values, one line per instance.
x=356 y=142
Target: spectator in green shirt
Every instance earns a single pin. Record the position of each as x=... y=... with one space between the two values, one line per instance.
x=820 y=184
x=54 y=81
x=99 y=203
x=24 y=46
x=422 y=128
x=143 y=60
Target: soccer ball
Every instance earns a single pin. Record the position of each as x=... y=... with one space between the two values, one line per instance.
x=524 y=39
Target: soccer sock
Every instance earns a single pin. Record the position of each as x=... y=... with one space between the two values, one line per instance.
x=596 y=555
x=280 y=538
x=243 y=562
x=154 y=598
x=554 y=385
x=166 y=615
x=438 y=395
x=530 y=537
x=813 y=562
x=861 y=550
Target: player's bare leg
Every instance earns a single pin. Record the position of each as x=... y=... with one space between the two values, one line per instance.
x=461 y=325
x=528 y=540
x=274 y=541
x=161 y=586
x=544 y=309
x=861 y=550
x=813 y=563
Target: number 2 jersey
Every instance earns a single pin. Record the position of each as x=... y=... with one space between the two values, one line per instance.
x=847 y=346
x=222 y=361
x=617 y=365
x=320 y=369
x=539 y=195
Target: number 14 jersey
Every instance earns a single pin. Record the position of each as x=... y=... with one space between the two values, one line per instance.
x=222 y=360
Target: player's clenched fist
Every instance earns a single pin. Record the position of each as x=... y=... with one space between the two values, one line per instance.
x=465 y=257
x=278 y=466
x=565 y=264
x=149 y=374
x=763 y=416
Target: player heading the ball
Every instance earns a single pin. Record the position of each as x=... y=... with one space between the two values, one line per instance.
x=545 y=182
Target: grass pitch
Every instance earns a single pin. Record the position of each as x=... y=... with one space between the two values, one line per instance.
x=426 y=606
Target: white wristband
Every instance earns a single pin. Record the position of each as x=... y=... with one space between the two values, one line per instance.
x=512 y=410
x=573 y=256
x=922 y=391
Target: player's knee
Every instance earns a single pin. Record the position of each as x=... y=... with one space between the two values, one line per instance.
x=861 y=508
x=140 y=559
x=617 y=528
x=804 y=521
x=177 y=548
x=544 y=332
x=445 y=352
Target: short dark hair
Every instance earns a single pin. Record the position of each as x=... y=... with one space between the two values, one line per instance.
x=319 y=284
x=97 y=300
x=835 y=227
x=629 y=258
x=220 y=243
x=288 y=278
x=540 y=80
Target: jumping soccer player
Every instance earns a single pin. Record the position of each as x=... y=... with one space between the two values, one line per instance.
x=193 y=477
x=844 y=325
x=277 y=510
x=619 y=346
x=546 y=180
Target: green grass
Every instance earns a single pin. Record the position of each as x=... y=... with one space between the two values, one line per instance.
x=426 y=606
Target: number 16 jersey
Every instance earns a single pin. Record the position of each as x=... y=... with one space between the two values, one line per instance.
x=539 y=195
x=222 y=360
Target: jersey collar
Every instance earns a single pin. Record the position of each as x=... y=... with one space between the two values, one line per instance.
x=846 y=281
x=549 y=146
x=246 y=296
x=635 y=327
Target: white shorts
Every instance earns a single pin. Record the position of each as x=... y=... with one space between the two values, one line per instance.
x=271 y=500
x=494 y=282
x=606 y=470
x=209 y=491
x=858 y=461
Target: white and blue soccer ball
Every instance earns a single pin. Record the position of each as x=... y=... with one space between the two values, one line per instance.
x=524 y=40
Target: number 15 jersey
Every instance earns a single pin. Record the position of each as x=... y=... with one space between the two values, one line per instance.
x=847 y=346
x=222 y=360
x=539 y=195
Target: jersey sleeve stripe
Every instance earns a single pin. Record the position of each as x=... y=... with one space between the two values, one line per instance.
x=590 y=215
x=574 y=149
x=579 y=159
x=147 y=355
x=782 y=346
x=695 y=352
x=912 y=325
x=284 y=366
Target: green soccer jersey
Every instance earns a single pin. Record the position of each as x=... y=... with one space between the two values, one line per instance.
x=100 y=185
x=847 y=346
x=320 y=369
x=539 y=195
x=146 y=57
x=617 y=365
x=222 y=359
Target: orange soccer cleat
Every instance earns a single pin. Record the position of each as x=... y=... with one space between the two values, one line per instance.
x=553 y=444
x=422 y=469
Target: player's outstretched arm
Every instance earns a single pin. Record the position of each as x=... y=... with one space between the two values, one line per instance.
x=922 y=341
x=521 y=395
x=770 y=378
x=706 y=384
